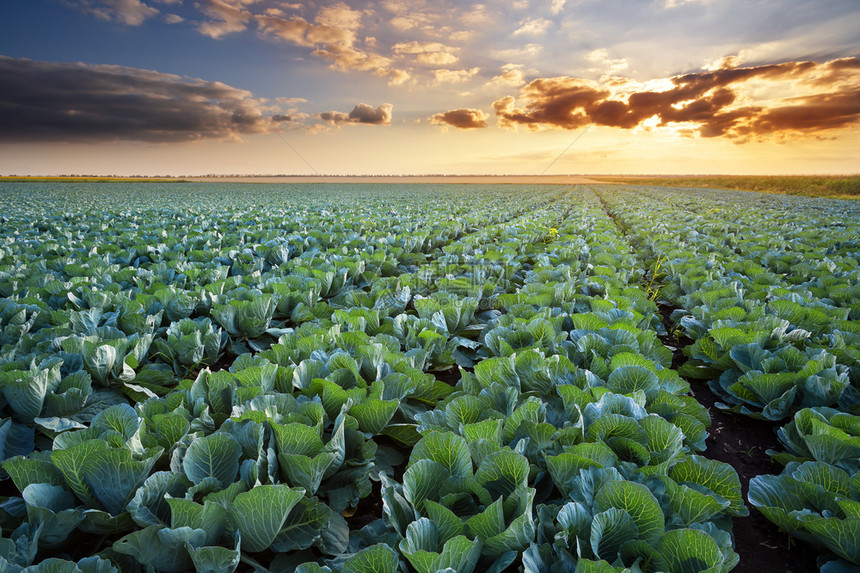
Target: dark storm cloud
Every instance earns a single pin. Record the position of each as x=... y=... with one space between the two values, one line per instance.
x=463 y=118
x=74 y=102
x=706 y=99
x=361 y=113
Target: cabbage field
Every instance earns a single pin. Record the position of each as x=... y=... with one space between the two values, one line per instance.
x=420 y=378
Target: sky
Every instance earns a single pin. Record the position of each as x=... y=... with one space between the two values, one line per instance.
x=411 y=87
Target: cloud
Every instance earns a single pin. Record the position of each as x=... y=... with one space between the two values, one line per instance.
x=512 y=75
x=733 y=102
x=128 y=12
x=416 y=47
x=677 y=3
x=461 y=35
x=406 y=22
x=410 y=15
x=726 y=62
x=560 y=102
x=335 y=18
x=556 y=6
x=461 y=118
x=173 y=18
x=430 y=53
x=229 y=17
x=437 y=58
x=334 y=36
x=346 y=59
x=603 y=63
x=807 y=114
x=454 y=76
x=843 y=70
x=293 y=30
x=408 y=6
x=292 y=100
x=532 y=27
x=526 y=51
x=361 y=113
x=477 y=16
x=74 y=102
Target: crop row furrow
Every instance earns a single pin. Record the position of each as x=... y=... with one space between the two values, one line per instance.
x=771 y=301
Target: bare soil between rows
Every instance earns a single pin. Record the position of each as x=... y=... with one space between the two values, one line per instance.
x=742 y=443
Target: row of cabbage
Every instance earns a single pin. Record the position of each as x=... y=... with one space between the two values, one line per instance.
x=251 y=276
x=136 y=311
x=574 y=398
x=769 y=290
x=570 y=396
x=89 y=302
x=339 y=318
x=529 y=393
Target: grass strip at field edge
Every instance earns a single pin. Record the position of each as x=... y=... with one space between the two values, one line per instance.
x=833 y=187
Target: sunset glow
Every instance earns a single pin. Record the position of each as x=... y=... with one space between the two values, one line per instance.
x=173 y=87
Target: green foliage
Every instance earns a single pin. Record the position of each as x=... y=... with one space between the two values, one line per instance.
x=220 y=382
x=822 y=435
x=815 y=185
x=815 y=502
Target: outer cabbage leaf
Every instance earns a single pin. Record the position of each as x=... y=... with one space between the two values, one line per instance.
x=688 y=550
x=260 y=514
x=214 y=456
x=637 y=501
x=53 y=509
x=421 y=549
x=160 y=547
x=718 y=477
x=378 y=558
x=447 y=449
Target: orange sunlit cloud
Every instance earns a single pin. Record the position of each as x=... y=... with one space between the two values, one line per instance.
x=462 y=118
x=820 y=97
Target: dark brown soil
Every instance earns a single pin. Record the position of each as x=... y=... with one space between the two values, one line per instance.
x=673 y=340
x=742 y=442
x=223 y=363
x=368 y=510
x=450 y=376
x=8 y=489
